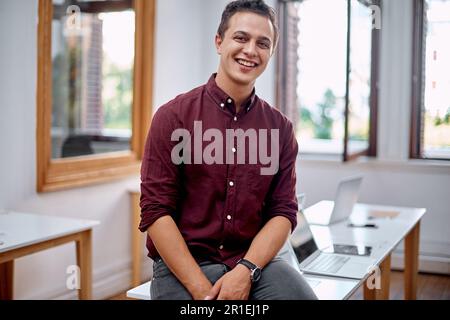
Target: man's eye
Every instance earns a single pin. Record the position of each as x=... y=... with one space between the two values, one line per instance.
x=240 y=39
x=264 y=45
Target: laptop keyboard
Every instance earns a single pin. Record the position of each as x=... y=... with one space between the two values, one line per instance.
x=327 y=263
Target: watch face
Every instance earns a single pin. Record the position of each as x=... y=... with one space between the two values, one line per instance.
x=256 y=274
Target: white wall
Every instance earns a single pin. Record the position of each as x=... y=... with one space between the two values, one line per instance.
x=185 y=58
x=17 y=100
x=179 y=42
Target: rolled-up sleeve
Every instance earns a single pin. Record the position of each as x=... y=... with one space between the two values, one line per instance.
x=281 y=199
x=159 y=175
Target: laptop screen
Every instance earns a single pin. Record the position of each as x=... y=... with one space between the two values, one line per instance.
x=302 y=239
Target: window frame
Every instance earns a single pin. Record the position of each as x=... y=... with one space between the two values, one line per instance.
x=281 y=82
x=417 y=84
x=371 y=150
x=57 y=174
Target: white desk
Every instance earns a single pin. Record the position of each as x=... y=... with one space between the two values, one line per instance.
x=23 y=233
x=325 y=288
x=390 y=232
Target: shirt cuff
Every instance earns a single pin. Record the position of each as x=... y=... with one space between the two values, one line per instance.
x=292 y=218
x=148 y=218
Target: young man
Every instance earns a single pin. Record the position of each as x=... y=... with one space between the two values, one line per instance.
x=215 y=215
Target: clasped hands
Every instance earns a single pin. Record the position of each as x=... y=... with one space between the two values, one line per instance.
x=233 y=285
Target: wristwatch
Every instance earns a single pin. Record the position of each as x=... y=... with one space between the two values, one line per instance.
x=255 y=270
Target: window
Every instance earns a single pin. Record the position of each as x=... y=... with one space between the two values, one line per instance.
x=94 y=89
x=328 y=74
x=430 y=121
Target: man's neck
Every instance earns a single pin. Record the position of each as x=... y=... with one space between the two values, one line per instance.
x=238 y=92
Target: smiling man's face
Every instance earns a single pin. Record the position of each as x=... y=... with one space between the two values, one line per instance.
x=245 y=48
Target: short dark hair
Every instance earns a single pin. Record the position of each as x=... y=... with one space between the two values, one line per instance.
x=255 y=6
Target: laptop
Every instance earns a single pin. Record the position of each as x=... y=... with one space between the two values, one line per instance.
x=325 y=288
x=329 y=212
x=339 y=260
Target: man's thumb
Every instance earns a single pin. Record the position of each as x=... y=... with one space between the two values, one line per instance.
x=214 y=290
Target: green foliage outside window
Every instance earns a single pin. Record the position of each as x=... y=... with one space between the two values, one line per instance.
x=322 y=122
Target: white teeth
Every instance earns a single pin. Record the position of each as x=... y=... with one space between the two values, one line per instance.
x=246 y=63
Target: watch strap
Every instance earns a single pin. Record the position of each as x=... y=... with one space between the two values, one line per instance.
x=248 y=264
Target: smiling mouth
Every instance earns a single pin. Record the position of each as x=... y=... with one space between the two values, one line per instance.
x=246 y=63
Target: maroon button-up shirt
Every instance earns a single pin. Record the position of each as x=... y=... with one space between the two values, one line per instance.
x=219 y=207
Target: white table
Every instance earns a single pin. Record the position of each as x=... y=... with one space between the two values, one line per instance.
x=390 y=232
x=24 y=233
x=325 y=288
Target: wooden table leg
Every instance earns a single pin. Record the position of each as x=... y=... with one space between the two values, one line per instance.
x=411 y=262
x=7 y=280
x=385 y=278
x=385 y=274
x=136 y=242
x=369 y=294
x=84 y=261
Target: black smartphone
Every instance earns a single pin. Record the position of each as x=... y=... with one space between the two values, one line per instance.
x=362 y=225
x=349 y=249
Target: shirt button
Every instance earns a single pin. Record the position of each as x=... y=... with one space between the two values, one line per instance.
x=229 y=101
x=231 y=183
x=228 y=217
x=221 y=247
x=233 y=149
x=235 y=119
x=222 y=105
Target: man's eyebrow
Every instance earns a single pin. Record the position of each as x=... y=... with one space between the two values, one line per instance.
x=248 y=35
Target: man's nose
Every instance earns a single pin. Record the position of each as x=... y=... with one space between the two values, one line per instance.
x=250 y=48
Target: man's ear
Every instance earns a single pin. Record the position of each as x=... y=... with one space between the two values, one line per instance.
x=274 y=48
x=273 y=51
x=218 y=41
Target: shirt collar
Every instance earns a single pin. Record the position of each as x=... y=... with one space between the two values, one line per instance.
x=223 y=100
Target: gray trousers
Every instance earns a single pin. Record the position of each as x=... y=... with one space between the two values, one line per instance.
x=279 y=281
